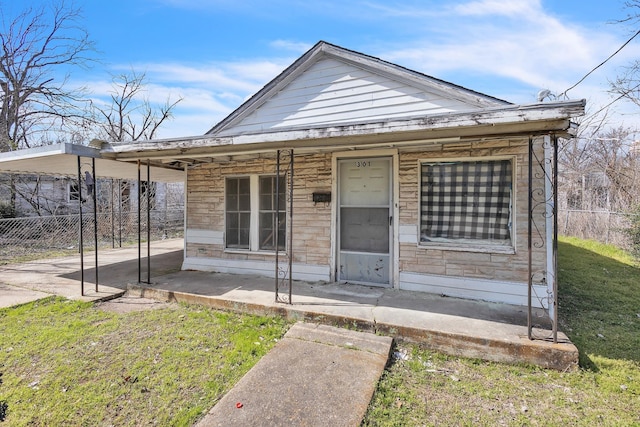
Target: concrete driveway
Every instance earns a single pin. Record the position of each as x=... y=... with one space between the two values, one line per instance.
x=117 y=269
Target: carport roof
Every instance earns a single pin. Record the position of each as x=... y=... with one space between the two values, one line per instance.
x=61 y=159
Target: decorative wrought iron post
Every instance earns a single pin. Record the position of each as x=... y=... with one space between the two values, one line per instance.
x=284 y=278
x=543 y=230
x=290 y=224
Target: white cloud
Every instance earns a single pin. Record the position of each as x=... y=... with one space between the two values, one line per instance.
x=518 y=40
x=499 y=7
x=294 y=46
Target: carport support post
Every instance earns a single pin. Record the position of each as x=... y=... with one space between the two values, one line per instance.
x=95 y=214
x=277 y=219
x=529 y=238
x=290 y=227
x=148 y=223
x=120 y=213
x=111 y=207
x=80 y=238
x=554 y=256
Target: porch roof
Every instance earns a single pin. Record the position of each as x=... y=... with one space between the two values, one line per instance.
x=495 y=122
x=61 y=159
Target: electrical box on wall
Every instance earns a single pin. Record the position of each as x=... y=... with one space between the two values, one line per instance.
x=321 y=197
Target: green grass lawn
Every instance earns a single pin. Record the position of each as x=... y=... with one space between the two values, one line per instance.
x=69 y=363
x=599 y=308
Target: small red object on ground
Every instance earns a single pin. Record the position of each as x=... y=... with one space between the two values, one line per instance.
x=239 y=405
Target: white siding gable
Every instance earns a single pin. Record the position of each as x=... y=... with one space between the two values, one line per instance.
x=332 y=92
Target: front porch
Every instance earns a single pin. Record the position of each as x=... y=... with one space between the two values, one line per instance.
x=490 y=331
x=476 y=329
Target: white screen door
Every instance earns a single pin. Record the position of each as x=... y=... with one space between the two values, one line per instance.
x=364 y=220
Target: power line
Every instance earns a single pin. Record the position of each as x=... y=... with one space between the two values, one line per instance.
x=622 y=95
x=602 y=63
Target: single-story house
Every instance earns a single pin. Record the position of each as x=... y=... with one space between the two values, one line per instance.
x=360 y=171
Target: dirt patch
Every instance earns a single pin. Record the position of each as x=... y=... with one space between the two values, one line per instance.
x=128 y=304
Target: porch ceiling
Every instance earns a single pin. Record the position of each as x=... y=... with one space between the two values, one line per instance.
x=62 y=159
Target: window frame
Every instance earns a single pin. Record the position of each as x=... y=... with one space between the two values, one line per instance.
x=255 y=245
x=470 y=244
x=239 y=212
x=262 y=211
x=73 y=191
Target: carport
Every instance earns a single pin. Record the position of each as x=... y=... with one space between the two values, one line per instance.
x=86 y=164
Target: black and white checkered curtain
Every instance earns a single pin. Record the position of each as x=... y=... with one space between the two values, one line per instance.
x=466 y=200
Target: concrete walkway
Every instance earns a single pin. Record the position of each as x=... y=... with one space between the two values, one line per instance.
x=316 y=375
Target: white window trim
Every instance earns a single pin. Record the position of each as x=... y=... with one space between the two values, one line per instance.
x=467 y=246
x=254 y=223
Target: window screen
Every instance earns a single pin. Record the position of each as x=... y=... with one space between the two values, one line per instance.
x=238 y=212
x=267 y=218
x=466 y=200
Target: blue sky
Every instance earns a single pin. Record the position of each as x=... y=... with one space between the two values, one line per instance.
x=216 y=53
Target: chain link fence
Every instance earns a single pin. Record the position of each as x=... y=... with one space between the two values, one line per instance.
x=30 y=236
x=603 y=226
x=58 y=234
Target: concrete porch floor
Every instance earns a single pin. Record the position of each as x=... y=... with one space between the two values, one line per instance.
x=477 y=329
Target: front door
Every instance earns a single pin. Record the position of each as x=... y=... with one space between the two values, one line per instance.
x=364 y=220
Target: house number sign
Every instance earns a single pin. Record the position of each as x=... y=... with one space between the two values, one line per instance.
x=363 y=163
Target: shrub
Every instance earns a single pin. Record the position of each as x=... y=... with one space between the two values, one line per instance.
x=634 y=231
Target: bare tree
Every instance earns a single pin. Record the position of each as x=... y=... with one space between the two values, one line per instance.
x=39 y=48
x=130 y=115
x=613 y=153
x=600 y=171
x=627 y=84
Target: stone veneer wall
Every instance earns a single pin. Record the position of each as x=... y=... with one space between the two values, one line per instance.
x=312 y=223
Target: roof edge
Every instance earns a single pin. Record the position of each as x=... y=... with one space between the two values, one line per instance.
x=47 y=150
